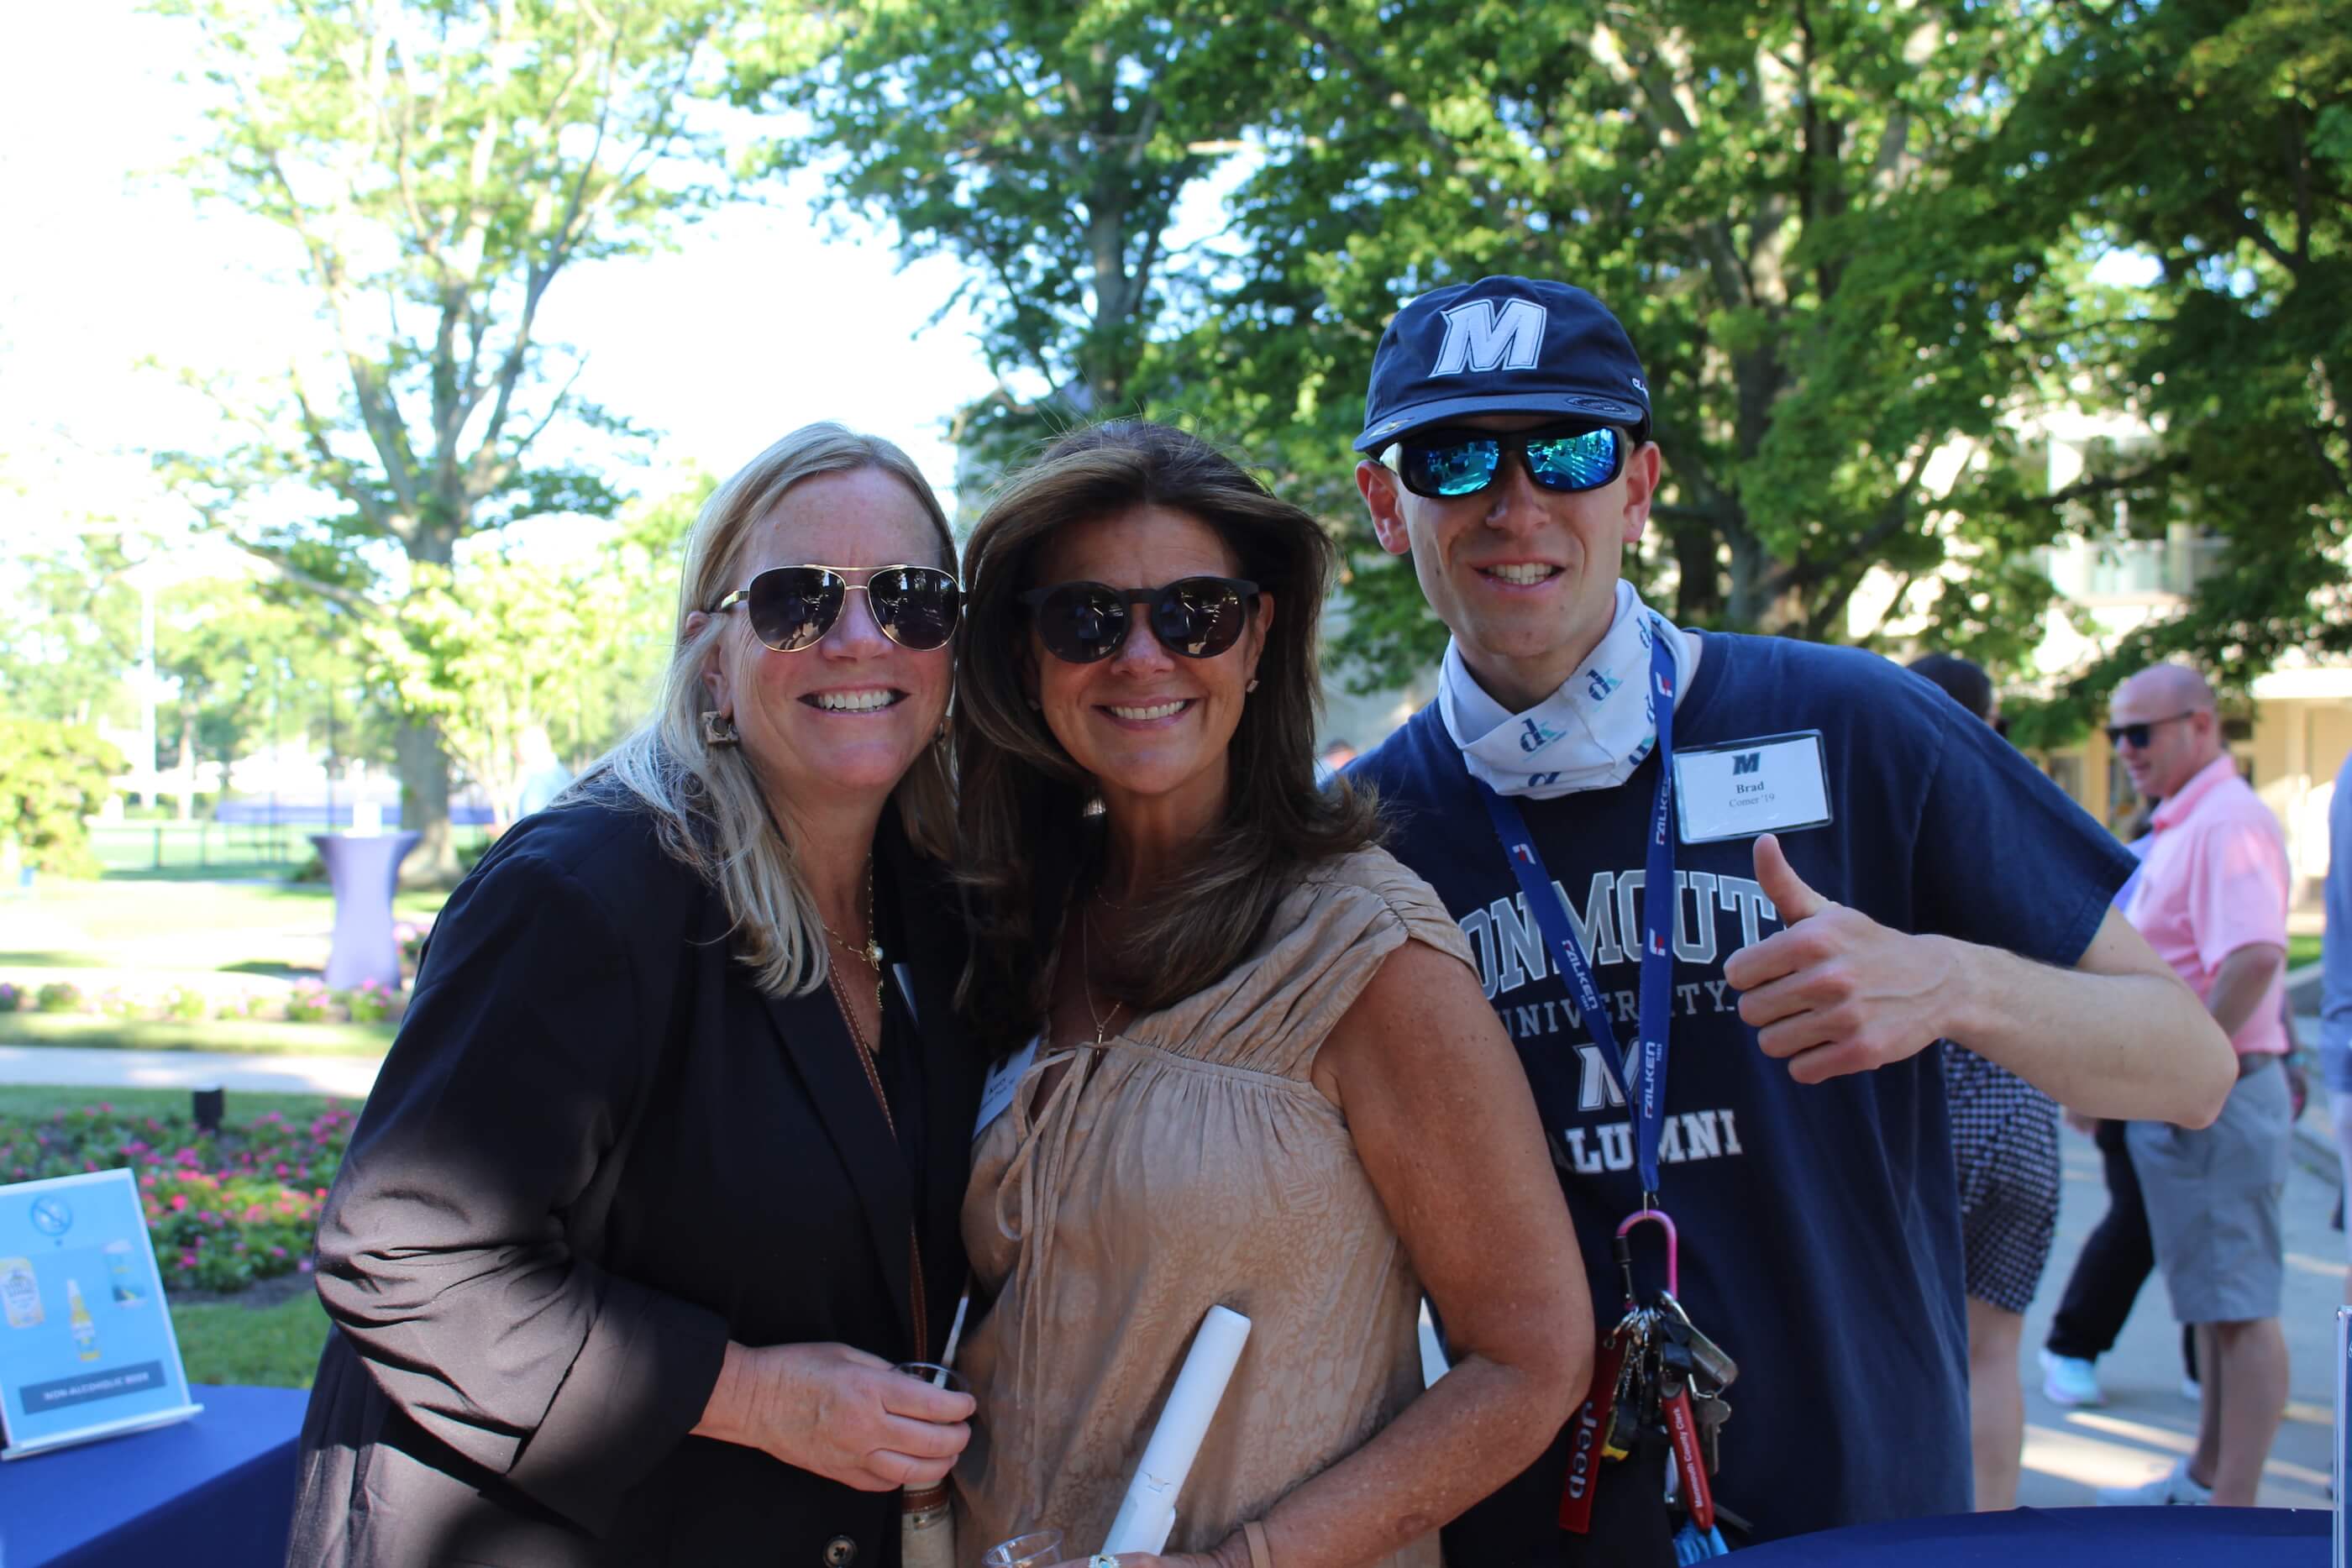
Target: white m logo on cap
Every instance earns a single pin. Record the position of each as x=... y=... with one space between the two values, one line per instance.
x=1480 y=337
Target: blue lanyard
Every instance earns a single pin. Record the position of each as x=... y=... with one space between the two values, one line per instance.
x=1645 y=1094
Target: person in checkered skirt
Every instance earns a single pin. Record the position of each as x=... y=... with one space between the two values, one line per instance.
x=2005 y=1151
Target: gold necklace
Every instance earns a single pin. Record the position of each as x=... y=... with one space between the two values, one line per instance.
x=1086 y=978
x=871 y=952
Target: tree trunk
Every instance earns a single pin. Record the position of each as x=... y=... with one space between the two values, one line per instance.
x=1699 y=601
x=1754 y=605
x=425 y=806
x=417 y=742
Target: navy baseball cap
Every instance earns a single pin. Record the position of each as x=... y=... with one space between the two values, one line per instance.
x=1503 y=345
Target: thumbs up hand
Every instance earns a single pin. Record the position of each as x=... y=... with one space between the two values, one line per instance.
x=1837 y=992
x=1783 y=885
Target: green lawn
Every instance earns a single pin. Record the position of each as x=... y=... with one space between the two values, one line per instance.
x=41 y=1099
x=130 y=909
x=267 y=1036
x=228 y=1341
x=2302 y=950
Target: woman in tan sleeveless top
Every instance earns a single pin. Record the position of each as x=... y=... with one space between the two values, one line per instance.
x=1260 y=1072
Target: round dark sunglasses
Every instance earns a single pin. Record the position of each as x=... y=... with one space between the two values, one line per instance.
x=1449 y=463
x=1197 y=617
x=792 y=607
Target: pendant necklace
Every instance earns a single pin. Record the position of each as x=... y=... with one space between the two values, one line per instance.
x=871 y=952
x=1086 y=978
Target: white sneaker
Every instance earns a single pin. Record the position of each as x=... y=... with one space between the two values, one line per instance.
x=2173 y=1487
x=2070 y=1380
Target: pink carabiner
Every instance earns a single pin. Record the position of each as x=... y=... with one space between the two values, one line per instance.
x=1673 y=1243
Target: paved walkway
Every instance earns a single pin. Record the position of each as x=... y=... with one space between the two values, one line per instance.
x=347 y=1077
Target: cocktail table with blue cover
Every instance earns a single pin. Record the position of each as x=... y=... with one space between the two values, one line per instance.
x=216 y=1491
x=2067 y=1538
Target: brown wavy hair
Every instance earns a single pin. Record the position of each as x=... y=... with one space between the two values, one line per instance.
x=1031 y=838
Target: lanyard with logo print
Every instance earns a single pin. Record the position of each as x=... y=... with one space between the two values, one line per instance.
x=1640 y=1076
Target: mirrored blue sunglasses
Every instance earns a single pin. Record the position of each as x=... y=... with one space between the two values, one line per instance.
x=1449 y=464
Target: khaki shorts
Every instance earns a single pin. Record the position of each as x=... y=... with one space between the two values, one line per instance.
x=2213 y=1198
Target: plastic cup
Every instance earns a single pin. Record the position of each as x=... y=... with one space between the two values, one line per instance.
x=937 y=1376
x=1038 y=1549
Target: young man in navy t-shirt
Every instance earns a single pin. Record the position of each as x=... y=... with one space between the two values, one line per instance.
x=1859 y=869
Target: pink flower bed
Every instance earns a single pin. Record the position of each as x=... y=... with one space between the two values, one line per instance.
x=225 y=1209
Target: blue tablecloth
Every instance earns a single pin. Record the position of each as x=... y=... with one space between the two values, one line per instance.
x=2066 y=1538
x=215 y=1491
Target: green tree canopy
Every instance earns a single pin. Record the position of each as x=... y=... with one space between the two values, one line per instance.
x=513 y=648
x=1046 y=146
x=438 y=166
x=2214 y=138
x=68 y=648
x=52 y=778
x=1858 y=244
x=252 y=664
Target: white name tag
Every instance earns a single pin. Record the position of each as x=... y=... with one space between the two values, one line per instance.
x=1772 y=784
x=1003 y=1081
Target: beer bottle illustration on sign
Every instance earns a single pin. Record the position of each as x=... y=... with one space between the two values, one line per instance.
x=85 y=1328
x=20 y=1293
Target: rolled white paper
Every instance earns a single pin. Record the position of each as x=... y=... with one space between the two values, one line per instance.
x=1148 y=1514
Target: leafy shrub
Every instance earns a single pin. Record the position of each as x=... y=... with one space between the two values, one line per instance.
x=368 y=1002
x=226 y=1209
x=246 y=1005
x=186 y=1004
x=309 y=1003
x=59 y=997
x=11 y=998
x=52 y=778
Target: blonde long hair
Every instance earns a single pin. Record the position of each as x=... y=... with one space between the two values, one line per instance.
x=706 y=801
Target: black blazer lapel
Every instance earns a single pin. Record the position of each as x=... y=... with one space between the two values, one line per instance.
x=927 y=934
x=819 y=1043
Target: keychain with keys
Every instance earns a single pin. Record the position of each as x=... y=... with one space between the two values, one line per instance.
x=1677 y=1391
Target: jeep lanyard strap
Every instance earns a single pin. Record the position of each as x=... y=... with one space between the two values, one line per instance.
x=1646 y=1377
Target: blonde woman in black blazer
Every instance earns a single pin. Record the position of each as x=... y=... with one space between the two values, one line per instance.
x=662 y=1174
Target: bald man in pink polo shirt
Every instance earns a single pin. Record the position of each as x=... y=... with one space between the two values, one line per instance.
x=2212 y=901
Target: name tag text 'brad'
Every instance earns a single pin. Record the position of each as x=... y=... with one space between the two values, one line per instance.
x=1772 y=784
